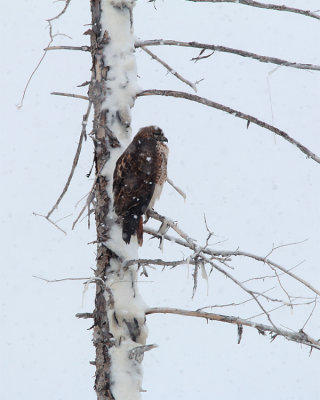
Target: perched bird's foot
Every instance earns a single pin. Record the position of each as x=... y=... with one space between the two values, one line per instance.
x=147 y=216
x=164 y=227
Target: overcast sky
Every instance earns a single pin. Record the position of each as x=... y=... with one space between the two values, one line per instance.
x=256 y=190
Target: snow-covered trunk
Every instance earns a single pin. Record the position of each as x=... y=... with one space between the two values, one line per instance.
x=119 y=319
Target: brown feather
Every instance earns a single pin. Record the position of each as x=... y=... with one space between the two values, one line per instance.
x=140 y=231
x=139 y=169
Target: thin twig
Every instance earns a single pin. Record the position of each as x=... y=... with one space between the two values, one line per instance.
x=236 y=113
x=284 y=245
x=299 y=337
x=88 y=201
x=283 y=305
x=272 y=276
x=62 y=218
x=269 y=311
x=20 y=105
x=89 y=197
x=52 y=36
x=230 y=50
x=61 y=12
x=170 y=69
x=79 y=201
x=176 y=188
x=232 y=304
x=266 y=6
x=238 y=283
x=77 y=96
x=49 y=220
x=200 y=57
x=280 y=283
x=310 y=315
x=75 y=159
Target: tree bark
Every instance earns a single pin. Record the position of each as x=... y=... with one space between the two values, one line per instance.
x=119 y=313
x=102 y=337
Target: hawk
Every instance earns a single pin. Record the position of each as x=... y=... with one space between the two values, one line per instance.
x=138 y=179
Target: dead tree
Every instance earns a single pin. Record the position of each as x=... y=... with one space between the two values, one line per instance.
x=119 y=332
x=119 y=315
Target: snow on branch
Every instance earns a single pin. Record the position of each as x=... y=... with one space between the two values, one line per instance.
x=224 y=49
x=298 y=337
x=236 y=113
x=274 y=7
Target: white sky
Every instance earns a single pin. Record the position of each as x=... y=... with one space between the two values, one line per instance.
x=254 y=188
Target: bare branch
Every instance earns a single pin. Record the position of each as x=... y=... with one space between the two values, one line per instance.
x=79 y=48
x=236 y=113
x=158 y=261
x=76 y=96
x=190 y=243
x=75 y=160
x=200 y=258
x=85 y=315
x=59 y=280
x=170 y=69
x=230 y=50
x=266 y=6
x=299 y=337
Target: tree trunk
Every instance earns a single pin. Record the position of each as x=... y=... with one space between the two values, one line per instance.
x=119 y=313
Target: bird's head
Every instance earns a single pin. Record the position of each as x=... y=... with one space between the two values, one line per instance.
x=152 y=131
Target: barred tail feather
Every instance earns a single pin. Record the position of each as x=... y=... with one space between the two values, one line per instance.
x=132 y=225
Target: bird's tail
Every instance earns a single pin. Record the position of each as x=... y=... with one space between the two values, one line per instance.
x=132 y=225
